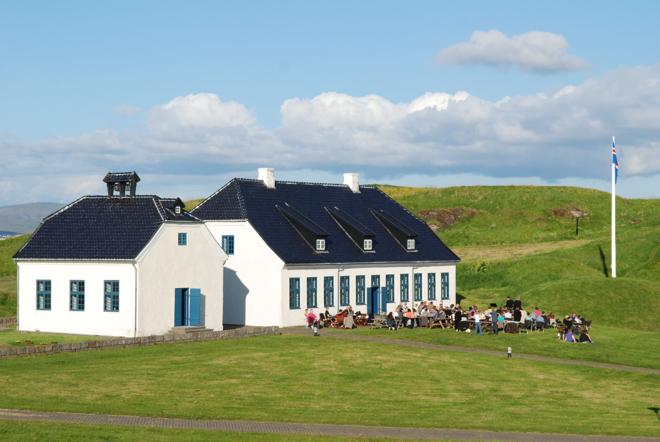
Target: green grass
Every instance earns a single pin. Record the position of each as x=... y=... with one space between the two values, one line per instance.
x=524 y=214
x=8 y=247
x=611 y=345
x=13 y=337
x=306 y=379
x=40 y=431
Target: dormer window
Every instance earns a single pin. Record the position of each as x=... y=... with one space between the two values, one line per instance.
x=320 y=245
x=368 y=244
x=410 y=244
x=177 y=210
x=117 y=187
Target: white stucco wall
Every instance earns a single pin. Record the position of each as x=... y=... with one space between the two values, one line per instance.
x=252 y=276
x=295 y=317
x=164 y=266
x=93 y=320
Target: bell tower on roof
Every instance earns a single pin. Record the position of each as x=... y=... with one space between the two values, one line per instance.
x=121 y=183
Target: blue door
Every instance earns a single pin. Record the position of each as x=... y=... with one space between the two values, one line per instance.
x=194 y=307
x=187 y=307
x=373 y=298
x=178 y=308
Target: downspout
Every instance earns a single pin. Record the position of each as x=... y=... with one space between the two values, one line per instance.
x=135 y=305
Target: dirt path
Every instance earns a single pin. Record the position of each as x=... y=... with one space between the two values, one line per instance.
x=352 y=431
x=503 y=252
x=342 y=334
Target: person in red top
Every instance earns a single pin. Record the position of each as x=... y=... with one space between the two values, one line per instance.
x=312 y=321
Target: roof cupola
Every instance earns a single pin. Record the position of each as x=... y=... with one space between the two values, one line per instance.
x=121 y=183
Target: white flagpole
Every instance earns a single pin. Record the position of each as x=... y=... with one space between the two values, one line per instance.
x=613 y=214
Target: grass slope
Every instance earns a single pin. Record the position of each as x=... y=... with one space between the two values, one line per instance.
x=324 y=380
x=8 y=247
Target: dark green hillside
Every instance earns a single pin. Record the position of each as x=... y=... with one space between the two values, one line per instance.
x=8 y=247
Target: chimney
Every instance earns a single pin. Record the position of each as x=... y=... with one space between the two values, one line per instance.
x=267 y=175
x=352 y=180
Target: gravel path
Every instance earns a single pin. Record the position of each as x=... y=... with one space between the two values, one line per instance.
x=352 y=431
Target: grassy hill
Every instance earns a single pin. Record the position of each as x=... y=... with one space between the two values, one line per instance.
x=520 y=241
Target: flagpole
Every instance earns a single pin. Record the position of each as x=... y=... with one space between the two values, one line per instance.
x=613 y=214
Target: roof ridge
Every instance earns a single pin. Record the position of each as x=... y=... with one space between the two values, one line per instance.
x=306 y=183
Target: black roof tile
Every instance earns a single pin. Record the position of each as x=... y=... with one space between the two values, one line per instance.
x=252 y=200
x=100 y=227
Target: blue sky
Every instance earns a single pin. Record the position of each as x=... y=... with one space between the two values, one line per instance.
x=90 y=86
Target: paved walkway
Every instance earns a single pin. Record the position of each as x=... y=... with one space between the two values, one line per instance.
x=352 y=431
x=342 y=334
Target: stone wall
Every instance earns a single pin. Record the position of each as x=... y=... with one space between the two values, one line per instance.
x=146 y=340
x=7 y=323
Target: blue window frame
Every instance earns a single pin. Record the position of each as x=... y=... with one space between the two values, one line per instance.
x=418 y=286
x=431 y=286
x=43 y=294
x=344 y=291
x=228 y=244
x=111 y=296
x=389 y=287
x=360 y=293
x=329 y=291
x=444 y=285
x=294 y=293
x=77 y=295
x=311 y=293
x=403 y=282
x=183 y=239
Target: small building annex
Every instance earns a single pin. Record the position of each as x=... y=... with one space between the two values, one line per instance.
x=121 y=264
x=295 y=245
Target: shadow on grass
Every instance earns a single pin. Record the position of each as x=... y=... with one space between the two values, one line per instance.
x=603 y=261
x=656 y=410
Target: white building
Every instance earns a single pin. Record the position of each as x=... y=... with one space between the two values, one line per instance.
x=120 y=265
x=293 y=246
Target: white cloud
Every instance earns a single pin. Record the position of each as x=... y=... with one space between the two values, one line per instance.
x=551 y=136
x=199 y=111
x=534 y=51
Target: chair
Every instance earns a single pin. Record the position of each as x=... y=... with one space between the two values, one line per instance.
x=338 y=321
x=349 y=322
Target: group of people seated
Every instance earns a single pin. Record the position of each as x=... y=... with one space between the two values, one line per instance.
x=510 y=317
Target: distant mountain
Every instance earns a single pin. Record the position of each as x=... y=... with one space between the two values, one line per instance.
x=23 y=218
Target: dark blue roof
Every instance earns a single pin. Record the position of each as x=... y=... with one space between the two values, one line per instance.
x=253 y=201
x=101 y=227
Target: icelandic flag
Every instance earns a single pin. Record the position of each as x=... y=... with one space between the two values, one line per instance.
x=615 y=161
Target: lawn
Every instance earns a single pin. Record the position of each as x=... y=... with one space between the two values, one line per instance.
x=40 y=431
x=322 y=380
x=611 y=345
x=13 y=337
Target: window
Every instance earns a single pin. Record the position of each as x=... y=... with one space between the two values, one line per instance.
x=111 y=296
x=431 y=286
x=320 y=245
x=311 y=293
x=344 y=291
x=444 y=285
x=43 y=294
x=228 y=244
x=329 y=291
x=410 y=244
x=404 y=287
x=177 y=209
x=77 y=295
x=389 y=288
x=360 y=298
x=368 y=244
x=294 y=293
x=418 y=286
x=183 y=239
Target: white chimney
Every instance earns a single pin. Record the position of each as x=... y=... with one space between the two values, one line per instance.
x=352 y=180
x=267 y=175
